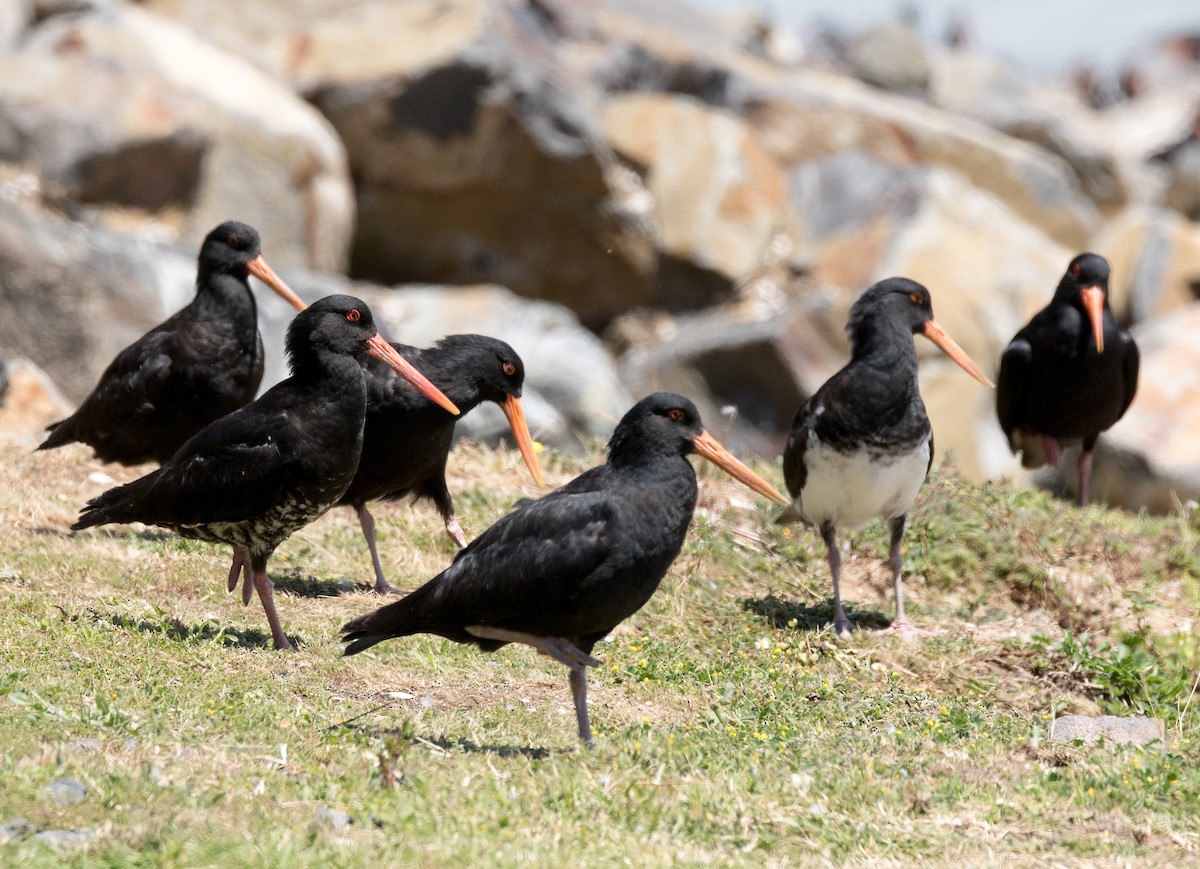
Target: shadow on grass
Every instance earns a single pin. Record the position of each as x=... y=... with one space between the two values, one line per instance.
x=779 y=612
x=293 y=583
x=199 y=632
x=405 y=735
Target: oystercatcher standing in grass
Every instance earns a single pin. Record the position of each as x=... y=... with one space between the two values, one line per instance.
x=861 y=446
x=1069 y=375
x=559 y=573
x=196 y=366
x=406 y=439
x=255 y=476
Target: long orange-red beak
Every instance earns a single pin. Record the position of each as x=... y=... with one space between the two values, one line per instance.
x=259 y=268
x=385 y=352
x=935 y=333
x=520 y=429
x=711 y=449
x=1093 y=303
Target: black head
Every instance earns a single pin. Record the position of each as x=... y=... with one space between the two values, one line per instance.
x=335 y=324
x=1086 y=270
x=891 y=303
x=1084 y=286
x=494 y=367
x=229 y=249
x=887 y=313
x=664 y=422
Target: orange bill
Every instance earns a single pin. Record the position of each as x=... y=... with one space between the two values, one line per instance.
x=385 y=352
x=938 y=336
x=711 y=449
x=516 y=420
x=259 y=268
x=1093 y=303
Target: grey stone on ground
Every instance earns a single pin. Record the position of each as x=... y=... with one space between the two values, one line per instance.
x=15 y=830
x=67 y=791
x=334 y=819
x=73 y=838
x=1133 y=729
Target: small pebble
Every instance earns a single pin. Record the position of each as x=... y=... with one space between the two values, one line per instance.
x=67 y=791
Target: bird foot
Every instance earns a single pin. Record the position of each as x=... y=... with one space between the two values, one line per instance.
x=907 y=631
x=456 y=533
x=382 y=586
x=843 y=627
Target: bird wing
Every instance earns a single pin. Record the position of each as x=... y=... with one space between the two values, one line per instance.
x=1012 y=383
x=1131 y=362
x=233 y=469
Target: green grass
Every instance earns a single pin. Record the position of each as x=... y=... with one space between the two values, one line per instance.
x=731 y=725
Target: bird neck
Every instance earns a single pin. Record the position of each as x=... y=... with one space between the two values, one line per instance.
x=881 y=344
x=221 y=291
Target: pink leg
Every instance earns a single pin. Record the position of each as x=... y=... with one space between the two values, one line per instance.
x=455 y=531
x=900 y=625
x=265 y=589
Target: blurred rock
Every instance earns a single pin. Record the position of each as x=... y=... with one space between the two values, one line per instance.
x=1122 y=730
x=891 y=56
x=66 y=791
x=807 y=116
x=29 y=400
x=1155 y=259
x=1181 y=163
x=119 y=110
x=476 y=157
x=718 y=198
x=1151 y=458
x=747 y=371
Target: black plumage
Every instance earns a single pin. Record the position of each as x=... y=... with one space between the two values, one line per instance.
x=406 y=440
x=198 y=365
x=861 y=446
x=255 y=476
x=559 y=573
x=1069 y=374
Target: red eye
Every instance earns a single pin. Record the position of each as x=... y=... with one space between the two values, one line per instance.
x=353 y=315
x=916 y=298
x=675 y=413
x=234 y=242
x=1076 y=270
x=509 y=369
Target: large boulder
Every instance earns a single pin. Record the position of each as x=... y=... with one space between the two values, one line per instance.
x=808 y=115
x=119 y=109
x=717 y=198
x=29 y=400
x=1155 y=259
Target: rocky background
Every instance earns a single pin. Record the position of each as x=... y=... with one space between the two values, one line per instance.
x=635 y=195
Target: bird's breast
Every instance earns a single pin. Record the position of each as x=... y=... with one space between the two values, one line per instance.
x=851 y=487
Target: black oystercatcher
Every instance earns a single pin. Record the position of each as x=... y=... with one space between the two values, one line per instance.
x=201 y=363
x=561 y=572
x=1069 y=374
x=861 y=446
x=253 y=477
x=406 y=440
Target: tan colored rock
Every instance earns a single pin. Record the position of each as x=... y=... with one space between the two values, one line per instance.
x=1155 y=259
x=29 y=401
x=121 y=109
x=718 y=198
x=809 y=115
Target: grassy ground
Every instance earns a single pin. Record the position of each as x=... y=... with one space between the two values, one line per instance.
x=732 y=727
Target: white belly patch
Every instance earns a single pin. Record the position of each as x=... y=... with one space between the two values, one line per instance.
x=851 y=489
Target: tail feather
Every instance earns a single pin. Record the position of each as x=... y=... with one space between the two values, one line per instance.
x=398 y=619
x=119 y=504
x=60 y=434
